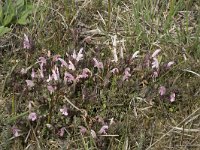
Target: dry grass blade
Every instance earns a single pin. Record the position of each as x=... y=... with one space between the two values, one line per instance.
x=172 y=129
x=190 y=71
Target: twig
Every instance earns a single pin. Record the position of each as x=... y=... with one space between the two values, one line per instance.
x=72 y=104
x=187 y=130
x=81 y=110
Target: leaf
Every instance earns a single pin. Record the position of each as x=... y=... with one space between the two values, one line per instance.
x=1 y=14
x=23 y=19
x=24 y=15
x=4 y=30
x=19 y=4
x=9 y=13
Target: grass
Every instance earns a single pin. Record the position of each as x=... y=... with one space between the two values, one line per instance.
x=142 y=118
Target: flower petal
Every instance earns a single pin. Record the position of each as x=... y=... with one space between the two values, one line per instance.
x=155 y=53
x=30 y=83
x=103 y=129
x=32 y=116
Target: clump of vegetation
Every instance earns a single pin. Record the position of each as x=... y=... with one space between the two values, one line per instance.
x=102 y=75
x=14 y=13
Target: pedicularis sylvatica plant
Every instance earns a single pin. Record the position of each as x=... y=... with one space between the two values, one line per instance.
x=79 y=76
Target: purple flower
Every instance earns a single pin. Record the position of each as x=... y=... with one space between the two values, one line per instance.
x=114 y=70
x=78 y=56
x=71 y=66
x=83 y=130
x=56 y=74
x=155 y=53
x=169 y=64
x=162 y=90
x=155 y=74
x=51 y=89
x=155 y=63
x=68 y=78
x=62 y=131
x=103 y=129
x=64 y=111
x=26 y=42
x=63 y=62
x=126 y=74
x=98 y=64
x=85 y=74
x=33 y=74
x=30 y=83
x=42 y=60
x=172 y=97
x=15 y=131
x=32 y=116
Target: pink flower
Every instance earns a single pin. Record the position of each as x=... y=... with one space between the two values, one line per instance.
x=172 y=97
x=85 y=73
x=114 y=70
x=32 y=116
x=26 y=43
x=83 y=130
x=98 y=64
x=15 y=131
x=126 y=74
x=63 y=62
x=51 y=89
x=68 y=78
x=169 y=64
x=30 y=83
x=56 y=74
x=62 y=131
x=71 y=66
x=155 y=63
x=93 y=134
x=162 y=90
x=103 y=129
x=155 y=53
x=64 y=111
x=155 y=74
x=33 y=74
x=79 y=56
x=42 y=60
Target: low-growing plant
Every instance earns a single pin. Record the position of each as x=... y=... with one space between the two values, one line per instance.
x=14 y=12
